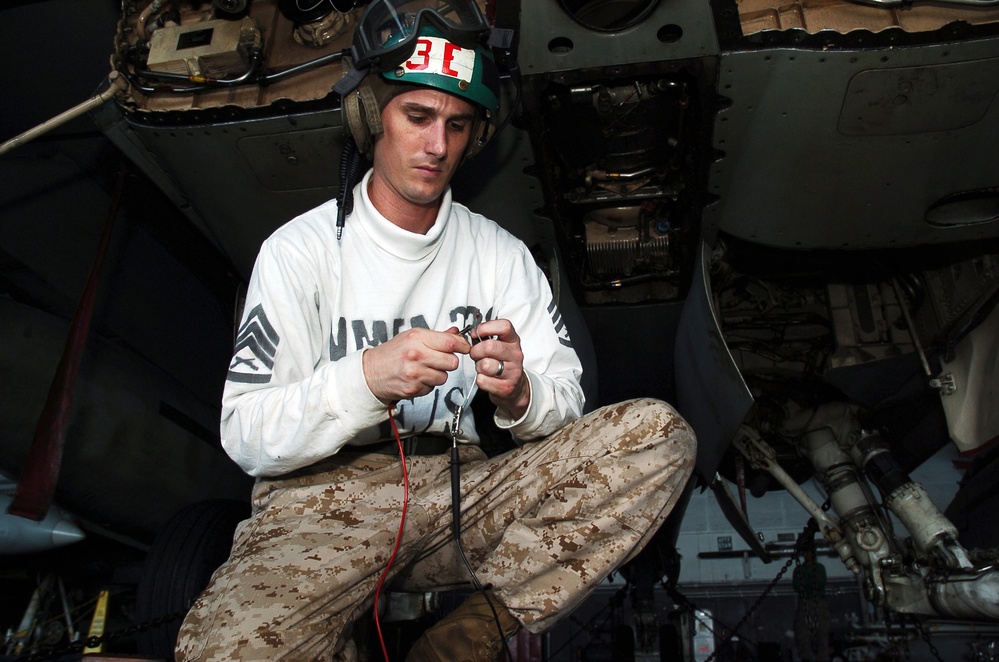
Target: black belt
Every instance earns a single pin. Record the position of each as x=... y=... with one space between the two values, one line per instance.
x=425 y=445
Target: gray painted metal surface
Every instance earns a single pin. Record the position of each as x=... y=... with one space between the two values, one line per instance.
x=820 y=147
x=711 y=392
x=238 y=181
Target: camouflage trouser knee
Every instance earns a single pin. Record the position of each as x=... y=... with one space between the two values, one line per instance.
x=544 y=524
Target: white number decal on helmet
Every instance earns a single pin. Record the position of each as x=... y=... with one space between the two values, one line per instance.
x=434 y=55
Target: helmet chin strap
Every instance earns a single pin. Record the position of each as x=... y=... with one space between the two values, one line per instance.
x=352 y=78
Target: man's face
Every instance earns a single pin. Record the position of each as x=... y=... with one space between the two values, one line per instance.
x=426 y=132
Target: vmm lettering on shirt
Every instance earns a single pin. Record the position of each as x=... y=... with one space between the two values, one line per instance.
x=368 y=336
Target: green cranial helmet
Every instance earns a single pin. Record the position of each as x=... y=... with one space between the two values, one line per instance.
x=424 y=43
x=469 y=73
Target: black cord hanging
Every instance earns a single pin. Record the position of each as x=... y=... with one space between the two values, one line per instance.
x=350 y=166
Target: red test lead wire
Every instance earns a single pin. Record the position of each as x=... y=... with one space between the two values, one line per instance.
x=398 y=538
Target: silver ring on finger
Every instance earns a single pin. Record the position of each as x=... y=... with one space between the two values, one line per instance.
x=499 y=370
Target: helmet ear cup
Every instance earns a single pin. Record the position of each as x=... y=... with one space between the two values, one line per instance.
x=362 y=109
x=362 y=113
x=353 y=117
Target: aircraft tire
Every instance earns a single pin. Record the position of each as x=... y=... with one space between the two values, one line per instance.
x=180 y=563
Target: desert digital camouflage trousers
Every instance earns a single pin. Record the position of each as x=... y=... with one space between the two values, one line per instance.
x=544 y=524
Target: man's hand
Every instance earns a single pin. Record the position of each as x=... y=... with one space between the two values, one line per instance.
x=499 y=360
x=412 y=363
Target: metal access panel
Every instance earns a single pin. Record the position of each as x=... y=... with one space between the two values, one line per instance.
x=828 y=149
x=238 y=181
x=554 y=39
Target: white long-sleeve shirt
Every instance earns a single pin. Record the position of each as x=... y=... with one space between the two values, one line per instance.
x=296 y=392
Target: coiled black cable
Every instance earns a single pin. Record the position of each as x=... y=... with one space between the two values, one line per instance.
x=350 y=166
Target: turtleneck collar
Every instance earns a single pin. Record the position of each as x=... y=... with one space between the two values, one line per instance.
x=389 y=236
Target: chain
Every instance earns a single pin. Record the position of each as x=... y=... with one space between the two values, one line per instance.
x=926 y=637
x=901 y=644
x=806 y=536
x=812 y=618
x=903 y=647
x=93 y=642
x=684 y=602
x=615 y=601
x=811 y=609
